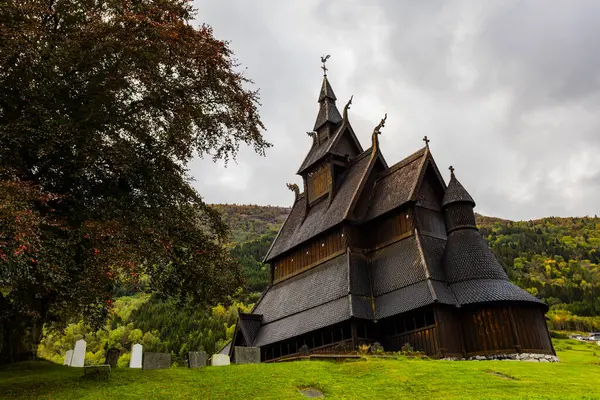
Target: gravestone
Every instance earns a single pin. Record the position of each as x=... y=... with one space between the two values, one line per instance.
x=68 y=357
x=197 y=359
x=112 y=356
x=135 y=361
x=219 y=360
x=157 y=360
x=78 y=359
x=246 y=355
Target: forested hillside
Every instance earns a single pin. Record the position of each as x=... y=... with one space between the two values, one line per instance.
x=556 y=259
x=248 y=222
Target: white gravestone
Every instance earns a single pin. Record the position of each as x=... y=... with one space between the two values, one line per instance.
x=68 y=357
x=219 y=360
x=79 y=354
x=136 y=356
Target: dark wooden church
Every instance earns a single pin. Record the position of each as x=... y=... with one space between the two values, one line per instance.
x=372 y=252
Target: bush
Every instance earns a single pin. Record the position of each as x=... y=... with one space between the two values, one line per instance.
x=123 y=361
x=407 y=348
x=363 y=349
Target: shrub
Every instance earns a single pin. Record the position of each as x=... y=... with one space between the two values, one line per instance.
x=123 y=361
x=407 y=348
x=364 y=348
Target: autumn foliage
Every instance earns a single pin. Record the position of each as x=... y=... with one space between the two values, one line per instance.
x=102 y=105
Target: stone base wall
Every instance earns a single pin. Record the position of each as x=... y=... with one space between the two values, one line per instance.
x=532 y=357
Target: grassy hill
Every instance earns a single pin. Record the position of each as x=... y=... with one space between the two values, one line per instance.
x=575 y=377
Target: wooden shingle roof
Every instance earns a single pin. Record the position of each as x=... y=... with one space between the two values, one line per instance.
x=302 y=225
x=396 y=185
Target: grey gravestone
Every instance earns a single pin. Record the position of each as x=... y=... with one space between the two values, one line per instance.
x=246 y=355
x=197 y=359
x=156 y=361
x=78 y=359
x=112 y=356
x=136 y=356
x=68 y=357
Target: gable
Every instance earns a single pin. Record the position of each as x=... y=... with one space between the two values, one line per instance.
x=395 y=186
x=343 y=142
x=430 y=192
x=305 y=222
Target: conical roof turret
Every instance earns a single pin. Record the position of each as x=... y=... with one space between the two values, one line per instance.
x=472 y=271
x=455 y=192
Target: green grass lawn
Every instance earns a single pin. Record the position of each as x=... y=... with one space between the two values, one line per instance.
x=577 y=376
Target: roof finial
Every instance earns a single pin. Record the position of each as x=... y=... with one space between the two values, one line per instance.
x=451 y=171
x=377 y=131
x=346 y=108
x=426 y=141
x=314 y=135
x=294 y=188
x=324 y=60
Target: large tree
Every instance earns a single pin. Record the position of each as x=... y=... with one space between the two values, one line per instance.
x=102 y=105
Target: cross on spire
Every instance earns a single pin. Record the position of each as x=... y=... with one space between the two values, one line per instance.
x=451 y=170
x=426 y=141
x=324 y=60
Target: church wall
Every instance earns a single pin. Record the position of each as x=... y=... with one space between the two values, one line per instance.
x=498 y=329
x=387 y=229
x=318 y=182
x=430 y=222
x=418 y=328
x=332 y=339
x=532 y=331
x=449 y=332
x=310 y=254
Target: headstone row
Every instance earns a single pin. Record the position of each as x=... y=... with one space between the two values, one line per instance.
x=138 y=359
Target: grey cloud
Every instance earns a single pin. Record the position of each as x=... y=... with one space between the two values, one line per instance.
x=507 y=92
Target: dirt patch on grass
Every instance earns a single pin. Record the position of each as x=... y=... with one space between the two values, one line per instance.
x=311 y=392
x=502 y=375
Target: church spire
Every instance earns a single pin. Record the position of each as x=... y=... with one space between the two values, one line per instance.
x=328 y=115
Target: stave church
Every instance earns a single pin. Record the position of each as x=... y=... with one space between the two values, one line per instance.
x=372 y=252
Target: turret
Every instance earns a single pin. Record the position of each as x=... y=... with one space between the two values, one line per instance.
x=467 y=255
x=458 y=206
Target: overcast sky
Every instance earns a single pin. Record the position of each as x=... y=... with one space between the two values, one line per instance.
x=507 y=91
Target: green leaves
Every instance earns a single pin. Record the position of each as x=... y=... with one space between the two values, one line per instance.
x=102 y=106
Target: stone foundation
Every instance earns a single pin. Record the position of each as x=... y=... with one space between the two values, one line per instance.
x=532 y=357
